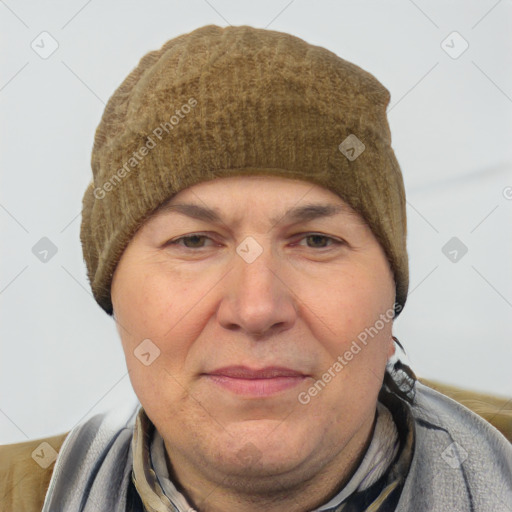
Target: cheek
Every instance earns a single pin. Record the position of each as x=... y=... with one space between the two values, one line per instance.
x=165 y=308
x=353 y=303
x=150 y=302
x=151 y=312
x=355 y=329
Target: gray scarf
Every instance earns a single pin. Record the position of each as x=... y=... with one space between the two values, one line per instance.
x=94 y=466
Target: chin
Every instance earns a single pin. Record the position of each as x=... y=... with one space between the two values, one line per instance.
x=269 y=443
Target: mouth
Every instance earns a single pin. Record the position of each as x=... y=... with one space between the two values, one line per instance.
x=259 y=383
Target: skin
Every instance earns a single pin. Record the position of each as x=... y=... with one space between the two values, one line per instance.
x=300 y=304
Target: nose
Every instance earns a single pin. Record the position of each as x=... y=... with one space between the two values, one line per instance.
x=256 y=298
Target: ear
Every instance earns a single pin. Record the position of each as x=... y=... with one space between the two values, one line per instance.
x=392 y=348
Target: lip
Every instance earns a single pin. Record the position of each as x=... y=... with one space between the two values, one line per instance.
x=244 y=372
x=262 y=382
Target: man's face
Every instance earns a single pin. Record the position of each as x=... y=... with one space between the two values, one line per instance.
x=258 y=288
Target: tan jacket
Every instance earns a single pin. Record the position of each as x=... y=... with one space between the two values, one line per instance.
x=24 y=482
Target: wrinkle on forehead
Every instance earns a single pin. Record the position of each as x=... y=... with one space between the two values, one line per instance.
x=297 y=214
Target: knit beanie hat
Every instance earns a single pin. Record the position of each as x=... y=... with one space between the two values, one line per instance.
x=233 y=101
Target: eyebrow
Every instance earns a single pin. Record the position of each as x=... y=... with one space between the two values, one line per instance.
x=298 y=214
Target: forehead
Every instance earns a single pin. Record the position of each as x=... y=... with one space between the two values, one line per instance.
x=274 y=197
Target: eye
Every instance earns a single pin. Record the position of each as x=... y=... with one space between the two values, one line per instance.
x=197 y=241
x=190 y=241
x=319 y=241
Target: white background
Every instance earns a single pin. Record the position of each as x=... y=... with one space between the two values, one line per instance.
x=451 y=122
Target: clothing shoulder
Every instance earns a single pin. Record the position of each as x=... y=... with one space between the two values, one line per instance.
x=461 y=461
x=496 y=410
x=463 y=420
x=25 y=472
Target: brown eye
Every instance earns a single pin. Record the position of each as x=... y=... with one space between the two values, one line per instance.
x=319 y=241
x=190 y=241
x=194 y=241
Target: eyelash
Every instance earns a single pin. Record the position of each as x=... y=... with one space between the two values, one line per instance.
x=176 y=241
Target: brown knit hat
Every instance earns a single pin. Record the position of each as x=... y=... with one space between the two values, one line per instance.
x=239 y=101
